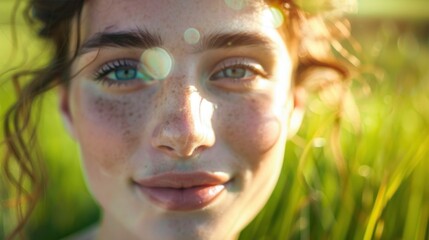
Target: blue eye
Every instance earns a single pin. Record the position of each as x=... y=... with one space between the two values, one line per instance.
x=239 y=75
x=122 y=71
x=126 y=74
x=234 y=73
x=239 y=71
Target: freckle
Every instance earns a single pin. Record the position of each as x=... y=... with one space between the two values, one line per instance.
x=131 y=114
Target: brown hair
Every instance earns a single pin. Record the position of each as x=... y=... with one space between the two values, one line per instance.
x=309 y=35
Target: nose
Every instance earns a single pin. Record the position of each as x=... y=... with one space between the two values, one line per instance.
x=184 y=128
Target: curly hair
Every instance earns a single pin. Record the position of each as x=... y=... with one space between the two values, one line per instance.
x=309 y=34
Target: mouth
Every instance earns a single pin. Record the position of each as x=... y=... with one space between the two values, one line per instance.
x=183 y=191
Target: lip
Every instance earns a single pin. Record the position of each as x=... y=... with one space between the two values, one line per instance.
x=183 y=191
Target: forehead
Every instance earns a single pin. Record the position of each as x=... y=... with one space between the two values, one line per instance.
x=171 y=17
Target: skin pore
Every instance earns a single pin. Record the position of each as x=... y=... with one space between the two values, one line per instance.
x=223 y=108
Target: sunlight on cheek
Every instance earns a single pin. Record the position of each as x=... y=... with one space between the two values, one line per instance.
x=253 y=129
x=268 y=135
x=283 y=102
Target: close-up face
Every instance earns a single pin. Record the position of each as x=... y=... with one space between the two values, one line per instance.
x=181 y=110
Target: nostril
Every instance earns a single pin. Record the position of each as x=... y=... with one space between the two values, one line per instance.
x=166 y=148
x=186 y=152
x=198 y=150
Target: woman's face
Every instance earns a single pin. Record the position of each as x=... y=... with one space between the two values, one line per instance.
x=181 y=111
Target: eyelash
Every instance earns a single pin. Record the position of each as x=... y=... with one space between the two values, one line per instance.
x=243 y=64
x=109 y=67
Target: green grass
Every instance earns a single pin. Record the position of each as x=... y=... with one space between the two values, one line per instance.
x=372 y=186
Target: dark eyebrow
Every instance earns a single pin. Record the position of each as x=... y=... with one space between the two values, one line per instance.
x=138 y=38
x=236 y=39
x=141 y=38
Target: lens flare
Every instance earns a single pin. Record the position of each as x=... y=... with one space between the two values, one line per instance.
x=192 y=36
x=274 y=16
x=236 y=4
x=156 y=62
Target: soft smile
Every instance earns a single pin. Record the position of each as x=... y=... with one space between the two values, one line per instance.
x=183 y=191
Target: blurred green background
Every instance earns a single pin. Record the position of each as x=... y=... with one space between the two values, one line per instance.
x=373 y=186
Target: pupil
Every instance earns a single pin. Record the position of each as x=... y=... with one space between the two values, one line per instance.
x=125 y=74
x=236 y=72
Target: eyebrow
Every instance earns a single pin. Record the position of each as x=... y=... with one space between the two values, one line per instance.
x=235 y=39
x=141 y=38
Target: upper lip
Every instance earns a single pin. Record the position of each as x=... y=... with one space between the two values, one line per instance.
x=183 y=180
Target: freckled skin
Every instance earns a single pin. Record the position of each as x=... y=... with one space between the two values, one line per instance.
x=183 y=122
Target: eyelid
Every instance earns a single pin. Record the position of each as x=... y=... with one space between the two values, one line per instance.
x=247 y=63
x=250 y=67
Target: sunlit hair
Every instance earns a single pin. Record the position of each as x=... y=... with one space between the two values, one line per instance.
x=311 y=34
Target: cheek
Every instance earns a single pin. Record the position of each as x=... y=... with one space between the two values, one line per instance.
x=107 y=129
x=253 y=126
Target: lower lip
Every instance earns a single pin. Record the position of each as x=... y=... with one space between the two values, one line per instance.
x=186 y=199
